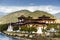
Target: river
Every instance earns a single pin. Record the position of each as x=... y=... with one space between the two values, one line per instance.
x=5 y=37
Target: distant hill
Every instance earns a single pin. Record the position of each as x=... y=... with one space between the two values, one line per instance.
x=12 y=17
x=2 y=14
x=57 y=20
x=57 y=15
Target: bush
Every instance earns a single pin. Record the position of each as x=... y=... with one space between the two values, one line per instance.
x=28 y=29
x=3 y=27
x=52 y=26
x=15 y=28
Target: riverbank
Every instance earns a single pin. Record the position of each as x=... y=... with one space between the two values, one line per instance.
x=6 y=37
x=22 y=36
x=18 y=35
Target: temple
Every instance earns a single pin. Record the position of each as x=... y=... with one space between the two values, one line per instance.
x=40 y=21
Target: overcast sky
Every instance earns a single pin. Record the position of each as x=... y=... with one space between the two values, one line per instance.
x=8 y=6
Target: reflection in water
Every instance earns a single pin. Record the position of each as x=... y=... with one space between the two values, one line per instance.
x=4 y=37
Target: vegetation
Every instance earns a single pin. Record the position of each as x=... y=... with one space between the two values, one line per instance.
x=13 y=17
x=28 y=29
x=57 y=34
x=15 y=28
x=52 y=26
x=3 y=27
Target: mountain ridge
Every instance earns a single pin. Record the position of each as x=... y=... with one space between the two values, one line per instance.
x=13 y=17
x=57 y=15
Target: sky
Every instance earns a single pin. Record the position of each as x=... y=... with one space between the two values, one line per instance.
x=50 y=6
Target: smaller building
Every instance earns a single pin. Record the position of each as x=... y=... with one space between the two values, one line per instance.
x=46 y=19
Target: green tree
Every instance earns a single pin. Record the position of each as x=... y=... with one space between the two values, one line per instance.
x=29 y=17
x=23 y=28
x=28 y=29
x=31 y=29
x=52 y=26
x=3 y=27
x=15 y=28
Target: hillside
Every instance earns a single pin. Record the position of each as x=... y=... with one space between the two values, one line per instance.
x=12 y=17
x=57 y=15
x=57 y=20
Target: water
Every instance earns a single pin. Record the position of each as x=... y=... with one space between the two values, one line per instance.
x=4 y=37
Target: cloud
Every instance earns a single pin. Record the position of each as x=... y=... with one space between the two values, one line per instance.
x=49 y=8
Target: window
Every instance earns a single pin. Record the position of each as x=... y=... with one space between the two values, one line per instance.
x=47 y=22
x=51 y=21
